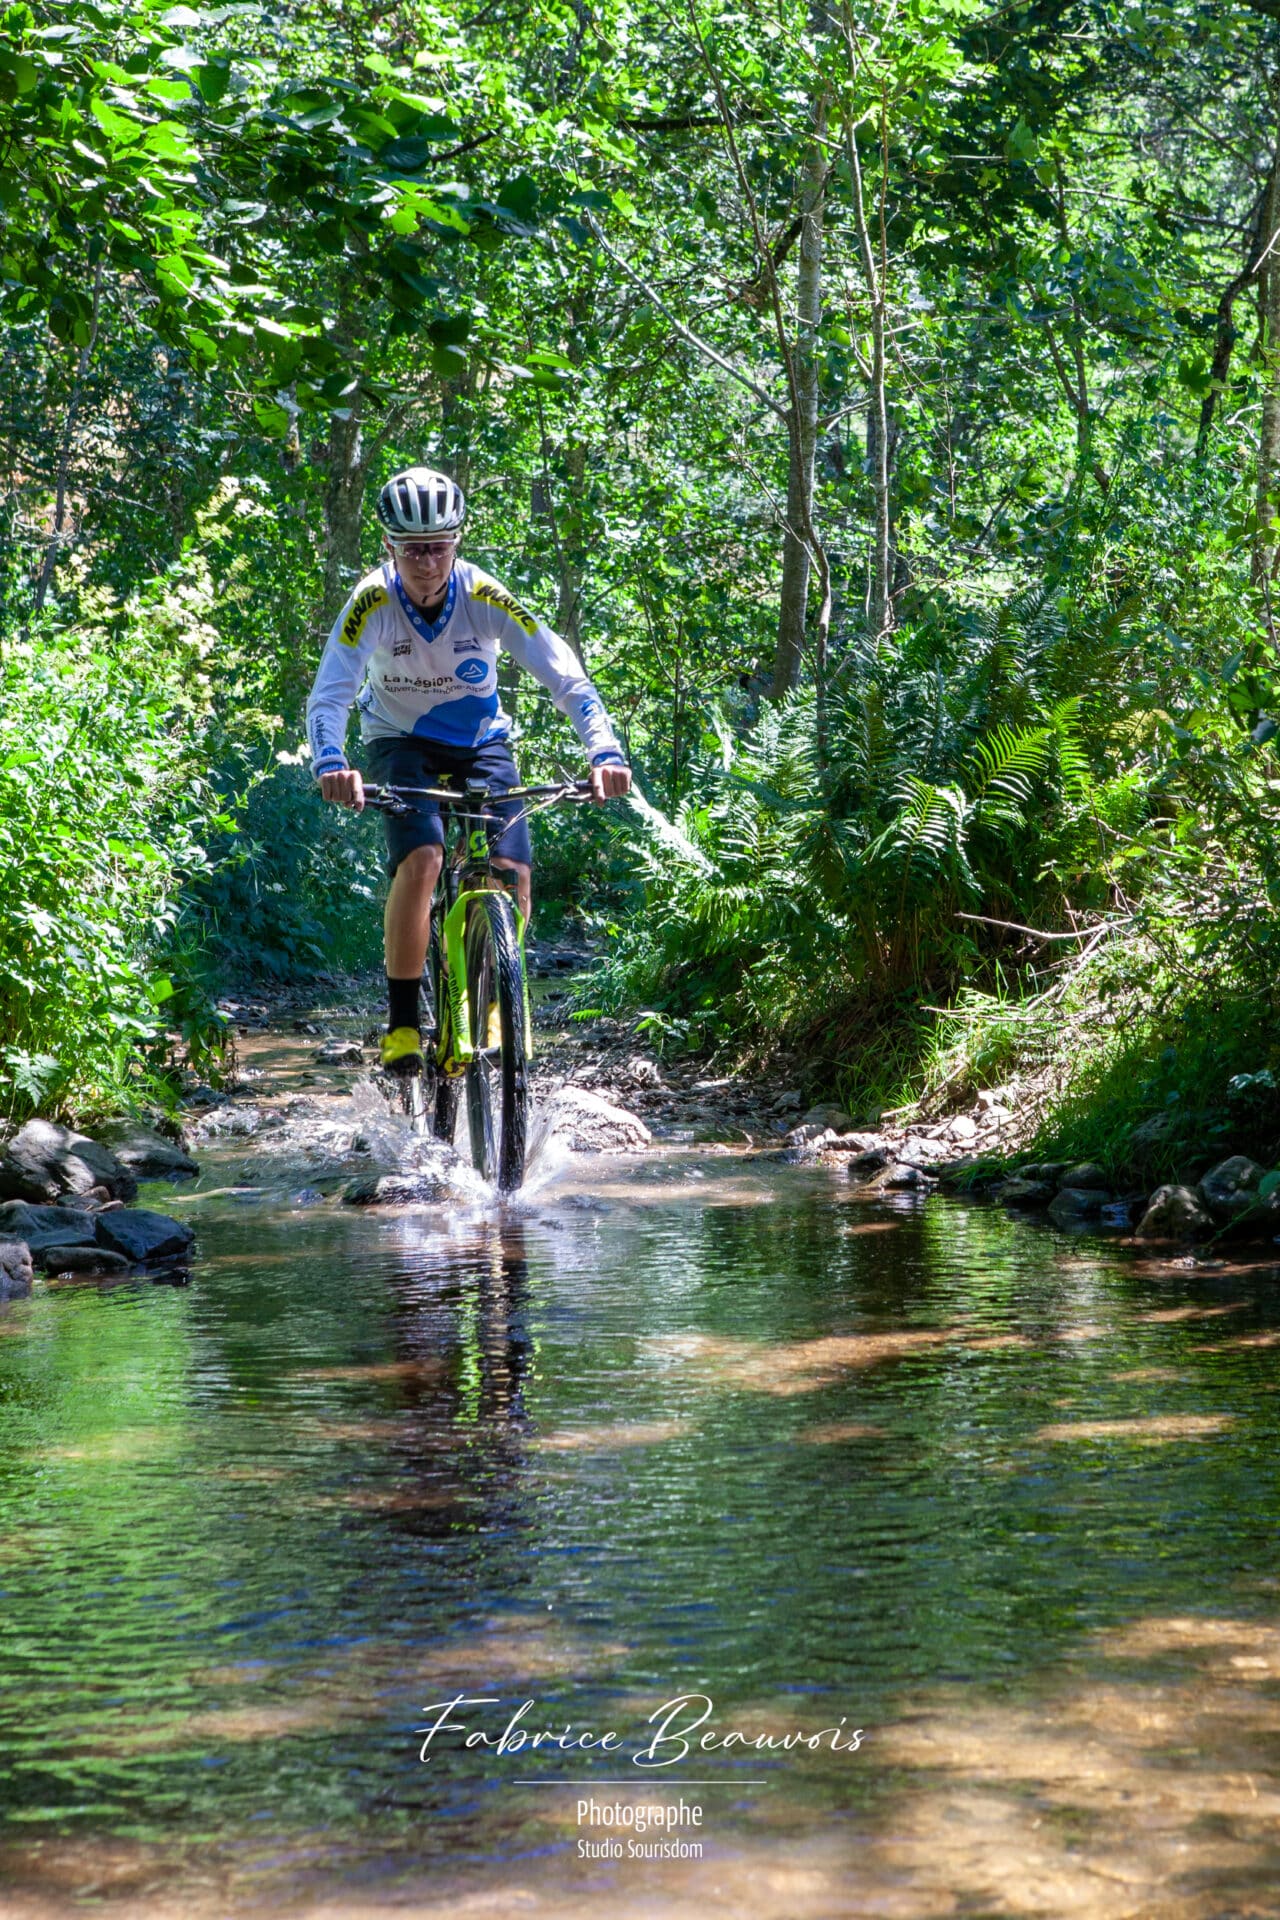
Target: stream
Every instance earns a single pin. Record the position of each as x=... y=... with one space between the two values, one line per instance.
x=963 y=1529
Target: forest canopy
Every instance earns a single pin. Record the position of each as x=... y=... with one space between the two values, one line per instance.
x=883 y=398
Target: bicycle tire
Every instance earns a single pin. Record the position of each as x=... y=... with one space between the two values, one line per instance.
x=412 y=1101
x=444 y=1089
x=497 y=1078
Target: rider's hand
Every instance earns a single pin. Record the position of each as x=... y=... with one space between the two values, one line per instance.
x=610 y=781
x=345 y=789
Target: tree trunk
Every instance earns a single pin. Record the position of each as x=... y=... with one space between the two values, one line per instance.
x=1225 y=334
x=873 y=255
x=64 y=453
x=343 y=501
x=1264 y=540
x=802 y=420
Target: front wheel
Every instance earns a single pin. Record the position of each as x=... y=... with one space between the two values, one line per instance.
x=497 y=1078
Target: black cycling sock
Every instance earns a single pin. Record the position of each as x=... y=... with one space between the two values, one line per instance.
x=402 y=1002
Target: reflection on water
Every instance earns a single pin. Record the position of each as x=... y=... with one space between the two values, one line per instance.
x=1002 y=1500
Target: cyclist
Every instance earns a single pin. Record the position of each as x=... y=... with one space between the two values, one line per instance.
x=423 y=632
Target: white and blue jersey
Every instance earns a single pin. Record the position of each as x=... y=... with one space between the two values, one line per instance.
x=438 y=679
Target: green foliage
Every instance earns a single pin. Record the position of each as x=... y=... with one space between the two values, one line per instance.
x=107 y=810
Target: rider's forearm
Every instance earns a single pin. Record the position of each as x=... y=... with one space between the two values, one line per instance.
x=328 y=710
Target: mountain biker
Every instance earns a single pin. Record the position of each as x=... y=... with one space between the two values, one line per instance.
x=423 y=632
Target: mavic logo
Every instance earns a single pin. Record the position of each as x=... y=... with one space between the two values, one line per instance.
x=473 y=671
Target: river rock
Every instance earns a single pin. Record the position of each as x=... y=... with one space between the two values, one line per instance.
x=1050 y=1170
x=1070 y=1205
x=1087 y=1176
x=858 y=1143
x=900 y=1177
x=16 y=1272
x=962 y=1129
x=861 y=1166
x=147 y=1154
x=43 y=1227
x=589 y=1124
x=397 y=1190
x=825 y=1115
x=139 y=1234
x=340 y=1053
x=83 y=1260
x=1022 y=1192
x=1231 y=1188
x=639 y=1071
x=44 y=1161
x=1175 y=1213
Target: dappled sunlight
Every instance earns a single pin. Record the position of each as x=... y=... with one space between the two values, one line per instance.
x=431 y=1368
x=1173 y=1316
x=804 y=1366
x=622 y=1433
x=1146 y=1430
x=1148 y=1375
x=1240 y=1343
x=833 y=1432
x=116 y=1446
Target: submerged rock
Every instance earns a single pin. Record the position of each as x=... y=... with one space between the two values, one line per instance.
x=1175 y=1213
x=42 y=1227
x=44 y=1161
x=84 y=1260
x=589 y=1124
x=340 y=1053
x=16 y=1271
x=1070 y=1205
x=139 y=1234
x=398 y=1190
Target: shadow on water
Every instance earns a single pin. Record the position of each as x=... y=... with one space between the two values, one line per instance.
x=1000 y=1500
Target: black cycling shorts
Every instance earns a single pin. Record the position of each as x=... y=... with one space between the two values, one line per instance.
x=405 y=761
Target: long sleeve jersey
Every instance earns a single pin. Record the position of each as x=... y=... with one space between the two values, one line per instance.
x=438 y=679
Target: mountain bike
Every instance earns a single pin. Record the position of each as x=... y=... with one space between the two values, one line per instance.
x=477 y=1029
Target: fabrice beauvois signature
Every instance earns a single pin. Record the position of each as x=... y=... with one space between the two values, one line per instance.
x=680 y=1728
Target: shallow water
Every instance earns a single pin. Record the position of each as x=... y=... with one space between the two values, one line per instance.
x=1003 y=1501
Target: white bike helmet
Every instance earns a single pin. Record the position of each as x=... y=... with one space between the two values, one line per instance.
x=420 y=502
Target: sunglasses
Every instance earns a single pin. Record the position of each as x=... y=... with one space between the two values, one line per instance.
x=423 y=549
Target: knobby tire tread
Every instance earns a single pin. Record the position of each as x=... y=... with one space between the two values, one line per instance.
x=497 y=1093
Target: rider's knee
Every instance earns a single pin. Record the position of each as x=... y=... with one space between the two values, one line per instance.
x=422 y=863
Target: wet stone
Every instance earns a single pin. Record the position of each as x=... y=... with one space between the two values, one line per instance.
x=589 y=1124
x=1073 y=1204
x=1231 y=1188
x=1085 y=1177
x=16 y=1272
x=83 y=1260
x=398 y=1190
x=42 y=1227
x=139 y=1234
x=341 y=1053
x=1022 y=1192
x=1175 y=1213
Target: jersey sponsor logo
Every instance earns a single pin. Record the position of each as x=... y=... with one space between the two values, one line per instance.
x=473 y=671
x=358 y=613
x=496 y=596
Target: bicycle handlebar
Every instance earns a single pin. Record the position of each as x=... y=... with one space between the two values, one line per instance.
x=397 y=799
